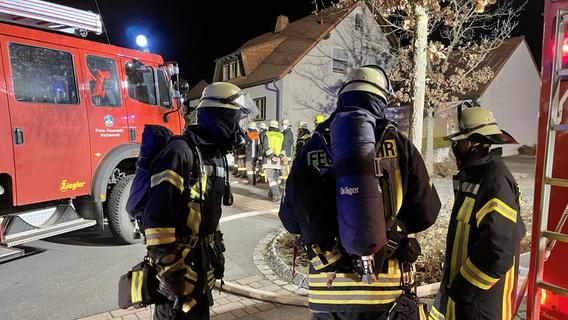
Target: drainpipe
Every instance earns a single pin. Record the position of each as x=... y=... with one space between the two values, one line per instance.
x=278 y=102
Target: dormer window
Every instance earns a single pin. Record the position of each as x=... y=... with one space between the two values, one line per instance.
x=231 y=69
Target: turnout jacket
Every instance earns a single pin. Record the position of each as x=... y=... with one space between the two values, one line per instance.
x=288 y=142
x=309 y=209
x=173 y=214
x=482 y=247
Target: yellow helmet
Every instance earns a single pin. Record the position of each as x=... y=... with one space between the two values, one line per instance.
x=369 y=78
x=319 y=119
x=477 y=124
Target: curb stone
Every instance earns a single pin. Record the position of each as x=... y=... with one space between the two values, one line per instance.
x=275 y=269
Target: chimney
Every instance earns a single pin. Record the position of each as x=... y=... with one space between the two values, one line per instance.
x=281 y=23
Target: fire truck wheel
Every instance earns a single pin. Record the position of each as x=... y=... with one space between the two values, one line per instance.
x=120 y=223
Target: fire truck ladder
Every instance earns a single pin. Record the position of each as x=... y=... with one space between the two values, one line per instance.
x=45 y=15
x=548 y=238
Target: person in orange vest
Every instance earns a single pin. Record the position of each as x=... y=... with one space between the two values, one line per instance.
x=272 y=142
x=252 y=151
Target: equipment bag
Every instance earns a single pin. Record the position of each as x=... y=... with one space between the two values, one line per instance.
x=138 y=287
x=154 y=140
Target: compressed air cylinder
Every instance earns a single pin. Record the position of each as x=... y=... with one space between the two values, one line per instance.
x=360 y=210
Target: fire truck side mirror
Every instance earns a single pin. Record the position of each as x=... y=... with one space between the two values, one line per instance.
x=171 y=68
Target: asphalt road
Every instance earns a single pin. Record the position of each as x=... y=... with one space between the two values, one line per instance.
x=76 y=274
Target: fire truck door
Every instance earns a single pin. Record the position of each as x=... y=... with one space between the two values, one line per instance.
x=148 y=99
x=6 y=147
x=108 y=126
x=49 y=120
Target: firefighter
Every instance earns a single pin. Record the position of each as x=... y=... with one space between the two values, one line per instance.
x=188 y=184
x=287 y=145
x=482 y=250
x=260 y=160
x=240 y=157
x=252 y=151
x=273 y=155
x=303 y=135
x=318 y=119
x=339 y=285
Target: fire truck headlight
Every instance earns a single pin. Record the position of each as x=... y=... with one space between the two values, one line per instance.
x=2 y=190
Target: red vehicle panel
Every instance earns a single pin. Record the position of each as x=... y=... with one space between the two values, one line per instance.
x=108 y=123
x=48 y=127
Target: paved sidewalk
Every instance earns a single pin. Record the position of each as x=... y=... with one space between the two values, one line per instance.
x=227 y=306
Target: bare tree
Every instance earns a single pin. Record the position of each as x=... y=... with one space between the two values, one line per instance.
x=442 y=45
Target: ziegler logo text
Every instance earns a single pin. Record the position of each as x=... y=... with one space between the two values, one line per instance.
x=66 y=185
x=349 y=191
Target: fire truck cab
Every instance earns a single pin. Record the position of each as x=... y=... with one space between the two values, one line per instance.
x=72 y=113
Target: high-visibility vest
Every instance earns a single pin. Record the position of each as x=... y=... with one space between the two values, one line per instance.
x=275 y=140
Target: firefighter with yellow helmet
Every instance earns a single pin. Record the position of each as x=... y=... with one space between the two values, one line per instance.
x=189 y=182
x=483 y=243
x=319 y=118
x=272 y=143
x=357 y=182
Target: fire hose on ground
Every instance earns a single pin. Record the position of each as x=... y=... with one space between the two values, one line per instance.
x=296 y=300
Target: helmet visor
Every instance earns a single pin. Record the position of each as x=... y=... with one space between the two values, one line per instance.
x=245 y=103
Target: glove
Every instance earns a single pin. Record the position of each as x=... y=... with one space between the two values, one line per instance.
x=275 y=159
x=176 y=278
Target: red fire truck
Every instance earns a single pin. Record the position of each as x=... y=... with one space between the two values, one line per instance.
x=72 y=113
x=548 y=293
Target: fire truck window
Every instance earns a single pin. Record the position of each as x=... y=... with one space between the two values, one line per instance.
x=103 y=82
x=42 y=75
x=141 y=85
x=164 y=90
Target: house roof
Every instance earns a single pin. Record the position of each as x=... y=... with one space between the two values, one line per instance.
x=195 y=92
x=272 y=55
x=496 y=60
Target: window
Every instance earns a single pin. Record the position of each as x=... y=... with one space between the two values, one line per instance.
x=141 y=85
x=164 y=90
x=358 y=22
x=42 y=75
x=232 y=70
x=261 y=105
x=225 y=72
x=103 y=82
x=339 y=60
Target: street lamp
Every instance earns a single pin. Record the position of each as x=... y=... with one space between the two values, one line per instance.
x=142 y=42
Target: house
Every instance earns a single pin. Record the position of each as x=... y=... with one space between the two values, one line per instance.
x=295 y=70
x=512 y=94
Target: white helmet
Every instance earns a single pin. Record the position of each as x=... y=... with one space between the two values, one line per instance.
x=369 y=78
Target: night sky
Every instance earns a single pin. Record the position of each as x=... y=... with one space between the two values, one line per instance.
x=194 y=33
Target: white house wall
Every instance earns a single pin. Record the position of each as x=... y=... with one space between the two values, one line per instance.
x=312 y=85
x=513 y=97
x=268 y=91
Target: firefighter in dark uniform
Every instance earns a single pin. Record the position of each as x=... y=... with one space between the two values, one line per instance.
x=252 y=151
x=188 y=184
x=345 y=239
x=482 y=250
x=303 y=135
x=262 y=128
x=287 y=145
x=273 y=153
